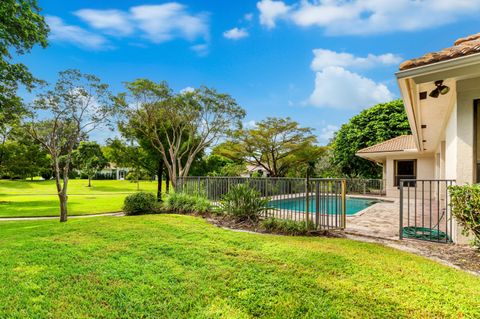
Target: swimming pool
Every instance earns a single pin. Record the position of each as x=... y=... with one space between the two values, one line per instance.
x=326 y=205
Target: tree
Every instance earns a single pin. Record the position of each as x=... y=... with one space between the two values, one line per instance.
x=179 y=126
x=216 y=165
x=21 y=157
x=89 y=158
x=151 y=156
x=374 y=125
x=275 y=144
x=21 y=28
x=76 y=105
x=325 y=168
x=127 y=154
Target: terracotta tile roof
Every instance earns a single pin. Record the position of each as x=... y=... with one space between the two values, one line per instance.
x=462 y=47
x=396 y=144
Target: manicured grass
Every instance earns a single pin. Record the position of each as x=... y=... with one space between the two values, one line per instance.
x=171 y=266
x=38 y=198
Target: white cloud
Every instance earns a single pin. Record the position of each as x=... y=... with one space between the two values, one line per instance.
x=235 y=34
x=367 y=16
x=339 y=88
x=270 y=11
x=62 y=32
x=156 y=23
x=200 y=49
x=327 y=132
x=166 y=21
x=187 y=89
x=324 y=58
x=114 y=22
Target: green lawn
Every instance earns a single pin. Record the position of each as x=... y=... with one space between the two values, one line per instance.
x=171 y=266
x=38 y=198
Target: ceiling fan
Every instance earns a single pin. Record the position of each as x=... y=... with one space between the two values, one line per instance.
x=440 y=89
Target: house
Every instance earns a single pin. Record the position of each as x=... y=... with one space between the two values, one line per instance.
x=254 y=171
x=441 y=93
x=111 y=171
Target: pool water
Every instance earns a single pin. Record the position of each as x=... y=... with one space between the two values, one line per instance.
x=327 y=205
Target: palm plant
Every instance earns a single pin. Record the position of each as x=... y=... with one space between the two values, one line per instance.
x=244 y=203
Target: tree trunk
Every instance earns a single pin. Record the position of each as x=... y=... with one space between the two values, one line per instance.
x=63 y=207
x=167 y=186
x=89 y=181
x=61 y=190
x=160 y=179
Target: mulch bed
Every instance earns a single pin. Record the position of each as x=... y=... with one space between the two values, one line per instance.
x=462 y=256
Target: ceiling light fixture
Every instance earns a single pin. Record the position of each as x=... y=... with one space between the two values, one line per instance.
x=440 y=89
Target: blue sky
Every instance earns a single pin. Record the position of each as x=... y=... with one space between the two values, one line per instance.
x=319 y=62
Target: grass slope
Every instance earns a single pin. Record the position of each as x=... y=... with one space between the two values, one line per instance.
x=171 y=266
x=38 y=198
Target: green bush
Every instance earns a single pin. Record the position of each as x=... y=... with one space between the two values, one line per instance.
x=287 y=227
x=137 y=176
x=465 y=204
x=187 y=204
x=243 y=203
x=140 y=203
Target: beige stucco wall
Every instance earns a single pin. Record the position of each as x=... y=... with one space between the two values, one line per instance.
x=460 y=139
x=425 y=170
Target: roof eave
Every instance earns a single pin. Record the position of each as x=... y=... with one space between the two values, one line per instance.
x=439 y=66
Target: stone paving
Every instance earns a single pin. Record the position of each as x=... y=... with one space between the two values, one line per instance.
x=379 y=220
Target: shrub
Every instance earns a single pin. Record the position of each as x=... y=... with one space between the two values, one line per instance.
x=465 y=204
x=287 y=227
x=140 y=203
x=187 y=204
x=243 y=203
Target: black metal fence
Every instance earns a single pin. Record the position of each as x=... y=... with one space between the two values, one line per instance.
x=374 y=187
x=424 y=210
x=322 y=201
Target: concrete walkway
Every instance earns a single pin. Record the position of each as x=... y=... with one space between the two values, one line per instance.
x=117 y=214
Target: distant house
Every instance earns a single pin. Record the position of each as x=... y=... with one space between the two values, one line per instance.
x=111 y=171
x=255 y=171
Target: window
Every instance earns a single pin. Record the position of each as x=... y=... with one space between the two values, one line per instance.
x=405 y=169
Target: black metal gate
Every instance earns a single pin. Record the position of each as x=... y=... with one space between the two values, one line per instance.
x=425 y=210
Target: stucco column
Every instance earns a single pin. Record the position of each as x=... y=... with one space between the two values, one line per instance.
x=467 y=92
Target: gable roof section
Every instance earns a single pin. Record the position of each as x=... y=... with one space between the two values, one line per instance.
x=462 y=47
x=396 y=144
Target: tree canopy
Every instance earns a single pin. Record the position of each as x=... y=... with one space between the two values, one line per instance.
x=275 y=144
x=89 y=158
x=374 y=125
x=75 y=105
x=21 y=28
x=179 y=126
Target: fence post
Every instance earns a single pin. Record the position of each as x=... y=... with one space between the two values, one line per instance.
x=344 y=203
x=400 y=223
x=307 y=203
x=317 y=203
x=198 y=186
